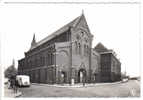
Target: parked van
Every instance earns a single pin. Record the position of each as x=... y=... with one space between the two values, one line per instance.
x=23 y=80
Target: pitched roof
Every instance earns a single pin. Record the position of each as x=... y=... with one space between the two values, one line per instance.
x=58 y=32
x=100 y=48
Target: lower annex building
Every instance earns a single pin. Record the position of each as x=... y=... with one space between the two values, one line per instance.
x=67 y=56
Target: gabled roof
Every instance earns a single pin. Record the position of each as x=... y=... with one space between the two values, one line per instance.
x=59 y=31
x=100 y=48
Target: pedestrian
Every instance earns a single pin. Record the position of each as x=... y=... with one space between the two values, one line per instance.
x=13 y=81
x=16 y=85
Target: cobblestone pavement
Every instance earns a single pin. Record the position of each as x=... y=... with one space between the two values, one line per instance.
x=128 y=89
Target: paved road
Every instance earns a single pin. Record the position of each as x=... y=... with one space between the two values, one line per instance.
x=10 y=92
x=128 y=89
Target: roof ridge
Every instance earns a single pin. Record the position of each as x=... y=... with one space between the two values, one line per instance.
x=58 y=32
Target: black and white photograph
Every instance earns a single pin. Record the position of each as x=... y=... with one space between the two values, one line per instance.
x=77 y=50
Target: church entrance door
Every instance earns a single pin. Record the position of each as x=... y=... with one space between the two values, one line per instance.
x=63 y=77
x=81 y=75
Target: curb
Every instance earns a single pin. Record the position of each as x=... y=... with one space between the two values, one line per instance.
x=73 y=86
x=57 y=85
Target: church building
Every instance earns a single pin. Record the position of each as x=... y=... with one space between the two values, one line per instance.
x=66 y=56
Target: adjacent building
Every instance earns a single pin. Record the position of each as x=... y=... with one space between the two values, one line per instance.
x=110 y=65
x=67 y=56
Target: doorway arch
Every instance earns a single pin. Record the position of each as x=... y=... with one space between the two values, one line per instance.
x=81 y=75
x=63 y=77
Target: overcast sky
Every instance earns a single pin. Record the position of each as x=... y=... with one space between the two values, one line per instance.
x=114 y=25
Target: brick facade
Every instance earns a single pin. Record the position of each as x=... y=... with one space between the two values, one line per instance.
x=64 y=56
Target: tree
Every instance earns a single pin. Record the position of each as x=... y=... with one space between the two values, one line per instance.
x=10 y=71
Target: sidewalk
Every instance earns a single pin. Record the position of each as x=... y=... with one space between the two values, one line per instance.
x=10 y=93
x=77 y=84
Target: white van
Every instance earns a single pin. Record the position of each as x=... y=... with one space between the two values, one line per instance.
x=23 y=80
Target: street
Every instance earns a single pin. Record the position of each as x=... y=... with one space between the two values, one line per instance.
x=127 y=89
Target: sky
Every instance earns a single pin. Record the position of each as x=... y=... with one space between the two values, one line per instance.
x=114 y=25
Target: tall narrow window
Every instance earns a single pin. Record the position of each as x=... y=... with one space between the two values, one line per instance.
x=76 y=48
x=87 y=50
x=84 y=50
x=35 y=62
x=79 y=48
x=46 y=59
x=51 y=58
x=40 y=61
x=32 y=63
